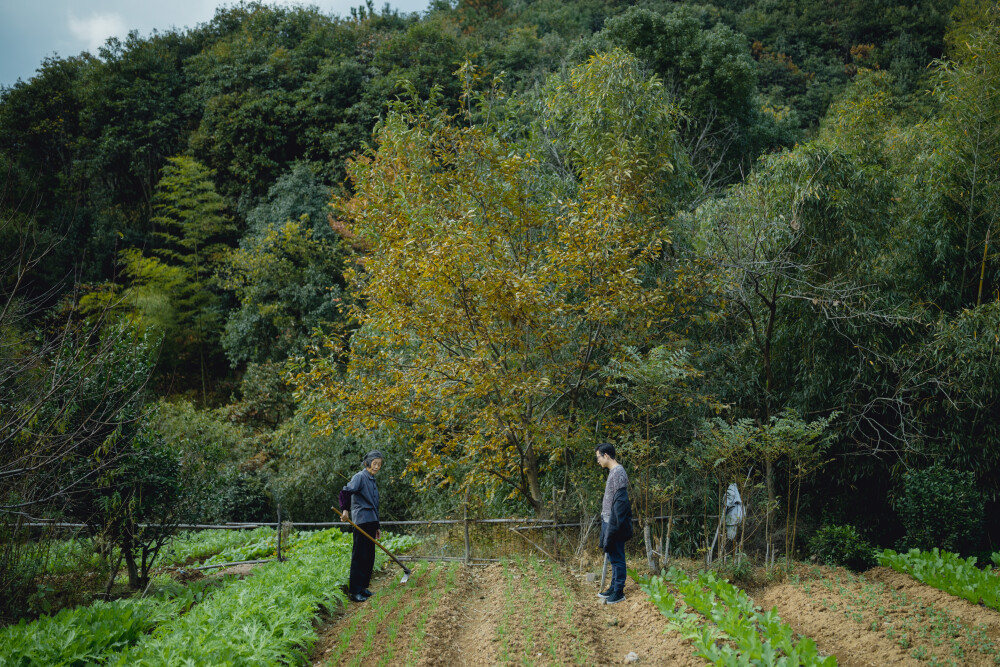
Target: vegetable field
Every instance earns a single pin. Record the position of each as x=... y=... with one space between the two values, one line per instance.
x=919 y=608
x=223 y=619
x=523 y=611
x=528 y=611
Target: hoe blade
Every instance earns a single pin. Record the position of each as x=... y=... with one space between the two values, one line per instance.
x=406 y=576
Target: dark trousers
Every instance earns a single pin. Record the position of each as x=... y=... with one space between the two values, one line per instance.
x=362 y=558
x=616 y=557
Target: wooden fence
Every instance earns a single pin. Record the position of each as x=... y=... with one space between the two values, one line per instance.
x=469 y=540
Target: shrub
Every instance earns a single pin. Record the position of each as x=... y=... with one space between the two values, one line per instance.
x=842 y=545
x=137 y=504
x=940 y=507
x=740 y=571
x=778 y=572
x=222 y=479
x=242 y=495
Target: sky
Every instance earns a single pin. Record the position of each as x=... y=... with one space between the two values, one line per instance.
x=32 y=30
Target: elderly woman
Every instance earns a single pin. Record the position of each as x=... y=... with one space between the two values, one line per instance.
x=360 y=496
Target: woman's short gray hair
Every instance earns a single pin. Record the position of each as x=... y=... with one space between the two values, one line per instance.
x=371 y=456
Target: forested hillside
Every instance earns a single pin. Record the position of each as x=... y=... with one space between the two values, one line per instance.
x=745 y=241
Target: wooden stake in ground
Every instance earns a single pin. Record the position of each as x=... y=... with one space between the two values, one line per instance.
x=514 y=530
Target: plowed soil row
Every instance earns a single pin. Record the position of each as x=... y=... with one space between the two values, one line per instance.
x=523 y=611
x=529 y=611
x=884 y=617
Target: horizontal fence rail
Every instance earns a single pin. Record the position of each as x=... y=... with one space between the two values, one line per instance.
x=483 y=540
x=539 y=523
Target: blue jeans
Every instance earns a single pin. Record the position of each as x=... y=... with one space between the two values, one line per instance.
x=616 y=556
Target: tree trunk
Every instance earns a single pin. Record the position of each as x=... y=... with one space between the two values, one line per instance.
x=114 y=573
x=534 y=483
x=982 y=269
x=647 y=534
x=788 y=514
x=670 y=527
x=769 y=480
x=798 y=494
x=133 y=570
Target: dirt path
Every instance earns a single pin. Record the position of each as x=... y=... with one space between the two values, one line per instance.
x=462 y=628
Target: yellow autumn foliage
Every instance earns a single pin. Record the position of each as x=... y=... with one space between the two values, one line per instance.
x=490 y=297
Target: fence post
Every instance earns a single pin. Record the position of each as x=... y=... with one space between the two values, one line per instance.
x=465 y=511
x=555 y=525
x=670 y=526
x=279 y=532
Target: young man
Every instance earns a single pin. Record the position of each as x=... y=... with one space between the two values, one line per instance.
x=616 y=521
x=360 y=498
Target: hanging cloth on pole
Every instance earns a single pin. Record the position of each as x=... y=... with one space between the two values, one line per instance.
x=734 y=510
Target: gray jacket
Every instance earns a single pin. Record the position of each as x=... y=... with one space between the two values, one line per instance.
x=364 y=497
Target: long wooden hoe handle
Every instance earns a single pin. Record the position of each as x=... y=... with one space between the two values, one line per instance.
x=379 y=545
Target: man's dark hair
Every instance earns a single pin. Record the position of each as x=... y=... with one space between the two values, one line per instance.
x=606 y=448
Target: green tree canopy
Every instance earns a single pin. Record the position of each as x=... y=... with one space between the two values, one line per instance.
x=172 y=289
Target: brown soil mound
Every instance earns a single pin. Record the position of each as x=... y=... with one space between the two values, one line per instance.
x=883 y=618
x=186 y=576
x=463 y=626
x=853 y=645
x=635 y=625
x=237 y=570
x=970 y=614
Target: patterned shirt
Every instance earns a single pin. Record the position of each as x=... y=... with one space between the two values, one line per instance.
x=617 y=479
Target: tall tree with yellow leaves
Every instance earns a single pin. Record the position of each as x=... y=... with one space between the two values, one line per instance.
x=499 y=278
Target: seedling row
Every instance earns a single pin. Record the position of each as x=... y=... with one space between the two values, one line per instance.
x=923 y=630
x=948 y=572
x=739 y=632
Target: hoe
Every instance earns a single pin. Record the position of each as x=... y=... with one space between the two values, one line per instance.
x=406 y=570
x=604 y=571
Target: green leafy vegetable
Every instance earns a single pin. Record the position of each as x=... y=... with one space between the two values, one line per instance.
x=948 y=572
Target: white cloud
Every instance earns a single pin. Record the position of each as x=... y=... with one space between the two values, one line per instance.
x=95 y=29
